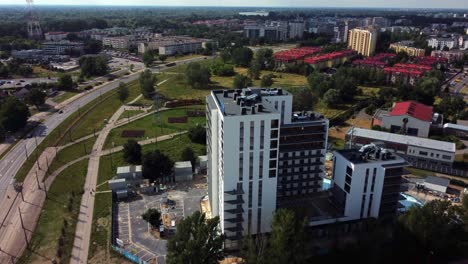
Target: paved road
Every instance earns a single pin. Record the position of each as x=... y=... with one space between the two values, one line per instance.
x=12 y=162
x=16 y=83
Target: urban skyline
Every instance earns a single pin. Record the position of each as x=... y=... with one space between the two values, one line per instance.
x=416 y=4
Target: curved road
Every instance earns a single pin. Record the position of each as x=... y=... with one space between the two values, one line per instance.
x=14 y=159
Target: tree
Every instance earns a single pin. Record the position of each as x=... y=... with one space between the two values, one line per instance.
x=132 y=152
x=156 y=166
x=162 y=57
x=122 y=91
x=451 y=106
x=153 y=217
x=65 y=82
x=242 y=56
x=332 y=97
x=197 y=75
x=147 y=81
x=188 y=155
x=267 y=80
x=254 y=71
x=304 y=100
x=36 y=97
x=319 y=83
x=222 y=69
x=148 y=57
x=14 y=114
x=197 y=241
x=197 y=134
x=264 y=58
x=92 y=46
x=287 y=240
x=93 y=65
x=241 y=81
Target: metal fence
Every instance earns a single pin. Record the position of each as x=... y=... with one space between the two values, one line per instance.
x=439 y=168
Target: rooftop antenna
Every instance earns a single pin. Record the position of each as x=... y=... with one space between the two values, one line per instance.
x=34 y=27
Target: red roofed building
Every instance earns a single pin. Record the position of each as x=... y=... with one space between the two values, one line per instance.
x=329 y=60
x=296 y=54
x=409 y=118
x=55 y=36
x=407 y=72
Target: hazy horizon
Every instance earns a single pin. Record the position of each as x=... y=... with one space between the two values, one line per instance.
x=396 y=4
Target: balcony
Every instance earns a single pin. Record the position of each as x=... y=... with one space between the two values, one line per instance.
x=300 y=165
x=284 y=158
x=236 y=228
x=237 y=219
x=234 y=210
x=235 y=192
x=239 y=200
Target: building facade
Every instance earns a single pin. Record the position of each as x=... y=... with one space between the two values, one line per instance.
x=55 y=36
x=440 y=43
x=116 y=42
x=61 y=47
x=413 y=149
x=259 y=151
x=407 y=46
x=370 y=179
x=363 y=41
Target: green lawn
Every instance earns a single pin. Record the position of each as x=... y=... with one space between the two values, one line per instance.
x=71 y=153
x=55 y=137
x=419 y=172
x=100 y=234
x=64 y=96
x=152 y=127
x=55 y=212
x=96 y=118
x=130 y=113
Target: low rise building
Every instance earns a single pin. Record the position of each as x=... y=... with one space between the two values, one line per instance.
x=129 y=173
x=408 y=118
x=437 y=184
x=451 y=55
x=62 y=47
x=255 y=13
x=116 y=42
x=270 y=31
x=408 y=73
x=183 y=171
x=330 y=60
x=440 y=43
x=55 y=36
x=413 y=149
x=408 y=47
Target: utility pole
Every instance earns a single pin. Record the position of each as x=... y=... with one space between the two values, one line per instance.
x=24 y=229
x=38 y=184
x=26 y=151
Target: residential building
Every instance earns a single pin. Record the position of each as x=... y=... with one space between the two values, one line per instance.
x=379 y=60
x=408 y=73
x=408 y=118
x=55 y=36
x=370 y=180
x=330 y=60
x=116 y=42
x=413 y=149
x=296 y=29
x=451 y=55
x=256 y=13
x=408 y=47
x=440 y=43
x=182 y=45
x=463 y=42
x=61 y=47
x=380 y=22
x=363 y=40
x=270 y=31
x=259 y=153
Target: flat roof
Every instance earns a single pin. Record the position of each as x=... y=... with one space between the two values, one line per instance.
x=356 y=157
x=129 y=169
x=437 y=181
x=403 y=139
x=249 y=96
x=182 y=164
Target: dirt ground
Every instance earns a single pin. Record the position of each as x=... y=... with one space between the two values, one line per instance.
x=361 y=120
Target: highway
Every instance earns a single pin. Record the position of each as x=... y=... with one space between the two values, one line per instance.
x=14 y=159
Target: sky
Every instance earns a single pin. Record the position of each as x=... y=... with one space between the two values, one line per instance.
x=267 y=3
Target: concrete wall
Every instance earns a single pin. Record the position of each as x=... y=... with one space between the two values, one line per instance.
x=422 y=126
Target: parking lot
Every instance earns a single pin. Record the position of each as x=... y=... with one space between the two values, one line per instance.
x=136 y=234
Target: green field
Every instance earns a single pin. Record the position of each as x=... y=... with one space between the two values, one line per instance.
x=130 y=113
x=72 y=153
x=108 y=164
x=152 y=127
x=184 y=57
x=57 y=210
x=96 y=118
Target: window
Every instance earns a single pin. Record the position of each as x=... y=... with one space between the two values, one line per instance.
x=260 y=187
x=241 y=165
x=446 y=157
x=370 y=205
x=259 y=220
x=274 y=134
x=260 y=167
x=262 y=134
x=274 y=144
x=272 y=164
x=272 y=174
x=250 y=165
x=241 y=136
x=274 y=123
x=273 y=154
x=250 y=194
x=252 y=134
x=423 y=153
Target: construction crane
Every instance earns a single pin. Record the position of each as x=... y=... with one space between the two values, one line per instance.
x=34 y=28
